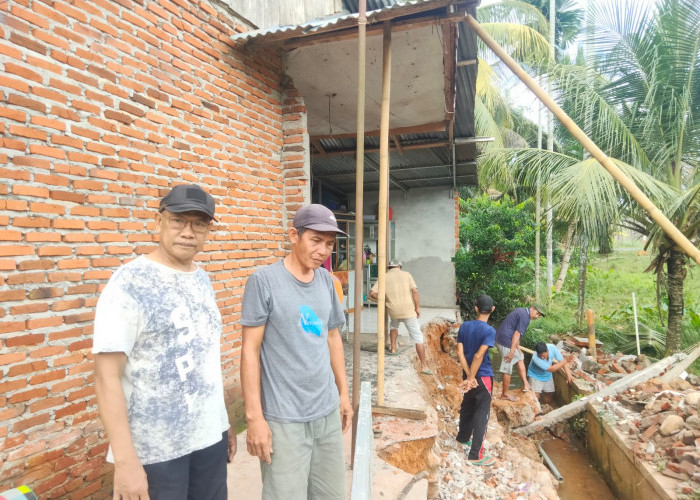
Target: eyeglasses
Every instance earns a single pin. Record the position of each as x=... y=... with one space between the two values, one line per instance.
x=179 y=223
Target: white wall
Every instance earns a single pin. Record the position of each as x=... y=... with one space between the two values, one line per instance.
x=425 y=240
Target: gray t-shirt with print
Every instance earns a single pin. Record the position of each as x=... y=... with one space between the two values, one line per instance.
x=168 y=324
x=297 y=381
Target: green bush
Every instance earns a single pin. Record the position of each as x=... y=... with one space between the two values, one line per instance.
x=496 y=239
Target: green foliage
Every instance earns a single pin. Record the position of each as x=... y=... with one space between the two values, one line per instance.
x=496 y=241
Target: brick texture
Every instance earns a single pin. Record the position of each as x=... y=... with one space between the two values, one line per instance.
x=104 y=106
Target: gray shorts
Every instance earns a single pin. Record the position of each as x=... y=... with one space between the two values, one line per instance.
x=411 y=325
x=539 y=386
x=308 y=462
x=506 y=367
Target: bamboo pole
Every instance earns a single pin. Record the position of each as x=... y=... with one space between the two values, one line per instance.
x=359 y=220
x=672 y=231
x=382 y=209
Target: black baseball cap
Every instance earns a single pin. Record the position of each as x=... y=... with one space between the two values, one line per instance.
x=484 y=303
x=316 y=217
x=188 y=198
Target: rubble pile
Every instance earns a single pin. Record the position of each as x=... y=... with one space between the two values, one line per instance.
x=661 y=425
x=604 y=368
x=515 y=476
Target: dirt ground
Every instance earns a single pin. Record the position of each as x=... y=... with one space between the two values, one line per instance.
x=518 y=473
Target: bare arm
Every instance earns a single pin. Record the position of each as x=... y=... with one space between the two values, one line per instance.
x=335 y=347
x=129 y=476
x=259 y=437
x=463 y=360
x=477 y=360
x=515 y=344
x=416 y=301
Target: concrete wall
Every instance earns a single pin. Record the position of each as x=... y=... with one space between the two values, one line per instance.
x=425 y=240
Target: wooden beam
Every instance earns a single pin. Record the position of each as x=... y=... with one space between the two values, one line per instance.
x=425 y=128
x=449 y=53
x=468 y=62
x=397 y=143
x=319 y=147
x=399 y=412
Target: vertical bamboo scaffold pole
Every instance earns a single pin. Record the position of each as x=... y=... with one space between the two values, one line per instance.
x=359 y=224
x=382 y=208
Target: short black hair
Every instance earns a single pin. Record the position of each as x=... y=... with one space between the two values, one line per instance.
x=540 y=347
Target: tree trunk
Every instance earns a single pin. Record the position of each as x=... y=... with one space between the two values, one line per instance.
x=582 y=270
x=605 y=246
x=676 y=272
x=568 y=246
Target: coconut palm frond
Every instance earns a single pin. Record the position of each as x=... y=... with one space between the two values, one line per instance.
x=521 y=42
x=513 y=12
x=485 y=125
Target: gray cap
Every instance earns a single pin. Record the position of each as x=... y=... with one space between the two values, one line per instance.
x=188 y=198
x=316 y=217
x=394 y=263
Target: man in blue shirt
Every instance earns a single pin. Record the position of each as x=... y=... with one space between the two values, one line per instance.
x=473 y=342
x=546 y=360
x=508 y=336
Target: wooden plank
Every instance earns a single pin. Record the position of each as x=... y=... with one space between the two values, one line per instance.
x=319 y=147
x=572 y=409
x=399 y=412
x=449 y=48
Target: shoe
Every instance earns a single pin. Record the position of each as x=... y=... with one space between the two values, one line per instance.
x=487 y=461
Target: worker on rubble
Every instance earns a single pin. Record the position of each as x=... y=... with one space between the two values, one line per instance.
x=508 y=335
x=158 y=380
x=403 y=306
x=473 y=342
x=547 y=360
x=297 y=402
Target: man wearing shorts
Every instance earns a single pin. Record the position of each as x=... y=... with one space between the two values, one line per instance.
x=403 y=306
x=547 y=360
x=508 y=336
x=297 y=403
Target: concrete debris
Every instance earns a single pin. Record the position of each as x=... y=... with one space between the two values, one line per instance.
x=662 y=426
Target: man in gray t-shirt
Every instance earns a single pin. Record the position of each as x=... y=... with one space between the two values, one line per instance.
x=293 y=368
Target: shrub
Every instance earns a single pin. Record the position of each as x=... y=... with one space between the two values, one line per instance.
x=496 y=239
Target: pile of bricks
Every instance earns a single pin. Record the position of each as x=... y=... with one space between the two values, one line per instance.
x=663 y=426
x=605 y=368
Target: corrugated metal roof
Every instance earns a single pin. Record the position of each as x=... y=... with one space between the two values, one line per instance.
x=338 y=20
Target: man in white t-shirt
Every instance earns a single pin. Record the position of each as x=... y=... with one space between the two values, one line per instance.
x=158 y=364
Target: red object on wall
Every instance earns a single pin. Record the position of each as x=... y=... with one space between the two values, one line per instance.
x=391 y=212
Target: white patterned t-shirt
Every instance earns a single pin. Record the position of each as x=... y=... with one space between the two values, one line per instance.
x=169 y=326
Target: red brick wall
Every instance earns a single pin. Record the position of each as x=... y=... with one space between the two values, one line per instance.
x=104 y=105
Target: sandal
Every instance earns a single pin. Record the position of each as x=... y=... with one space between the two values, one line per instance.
x=526 y=390
x=426 y=372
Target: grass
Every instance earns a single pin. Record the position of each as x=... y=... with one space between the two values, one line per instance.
x=610 y=283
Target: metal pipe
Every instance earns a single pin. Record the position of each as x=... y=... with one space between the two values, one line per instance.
x=359 y=224
x=628 y=184
x=549 y=463
x=382 y=208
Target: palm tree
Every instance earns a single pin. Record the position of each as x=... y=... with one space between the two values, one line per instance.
x=645 y=102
